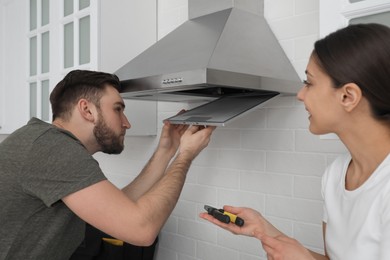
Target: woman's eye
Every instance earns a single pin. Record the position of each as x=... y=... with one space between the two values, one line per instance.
x=307 y=83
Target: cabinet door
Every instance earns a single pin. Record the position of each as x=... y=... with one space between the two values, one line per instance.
x=126 y=29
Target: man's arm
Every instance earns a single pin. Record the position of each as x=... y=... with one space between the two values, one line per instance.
x=152 y=172
x=158 y=163
x=139 y=222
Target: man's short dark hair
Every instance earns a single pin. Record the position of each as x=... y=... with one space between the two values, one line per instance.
x=79 y=84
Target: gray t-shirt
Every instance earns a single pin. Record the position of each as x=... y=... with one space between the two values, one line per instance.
x=39 y=165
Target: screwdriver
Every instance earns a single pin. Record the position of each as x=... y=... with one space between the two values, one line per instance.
x=224 y=216
x=233 y=218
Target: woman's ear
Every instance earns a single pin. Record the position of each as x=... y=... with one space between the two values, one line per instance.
x=87 y=110
x=350 y=96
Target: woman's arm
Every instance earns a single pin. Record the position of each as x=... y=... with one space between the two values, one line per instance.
x=286 y=248
x=275 y=243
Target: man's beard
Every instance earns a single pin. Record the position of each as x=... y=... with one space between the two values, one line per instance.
x=109 y=142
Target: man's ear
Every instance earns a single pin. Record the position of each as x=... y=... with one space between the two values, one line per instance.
x=87 y=110
x=350 y=96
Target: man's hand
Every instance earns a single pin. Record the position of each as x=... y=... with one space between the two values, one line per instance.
x=194 y=140
x=170 y=138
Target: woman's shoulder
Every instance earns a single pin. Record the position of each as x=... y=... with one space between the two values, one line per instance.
x=337 y=169
x=341 y=161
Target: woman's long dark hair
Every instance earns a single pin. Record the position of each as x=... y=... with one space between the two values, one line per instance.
x=359 y=54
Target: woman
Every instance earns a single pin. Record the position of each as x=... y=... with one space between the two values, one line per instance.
x=347 y=92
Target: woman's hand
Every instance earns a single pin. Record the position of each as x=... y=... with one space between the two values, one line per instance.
x=253 y=221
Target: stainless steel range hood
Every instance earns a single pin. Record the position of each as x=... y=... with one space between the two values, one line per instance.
x=226 y=48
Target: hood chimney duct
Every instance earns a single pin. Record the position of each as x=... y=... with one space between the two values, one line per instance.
x=225 y=49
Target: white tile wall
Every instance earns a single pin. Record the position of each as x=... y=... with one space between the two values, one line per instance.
x=267 y=160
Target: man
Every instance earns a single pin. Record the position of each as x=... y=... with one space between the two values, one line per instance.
x=50 y=184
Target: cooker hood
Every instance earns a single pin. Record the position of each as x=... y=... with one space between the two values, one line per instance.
x=226 y=48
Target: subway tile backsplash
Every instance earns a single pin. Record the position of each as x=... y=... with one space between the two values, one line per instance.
x=267 y=159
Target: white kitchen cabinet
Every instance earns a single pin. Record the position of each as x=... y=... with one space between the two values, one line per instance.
x=14 y=94
x=124 y=29
x=127 y=28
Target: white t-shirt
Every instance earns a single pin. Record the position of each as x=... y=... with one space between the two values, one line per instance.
x=358 y=221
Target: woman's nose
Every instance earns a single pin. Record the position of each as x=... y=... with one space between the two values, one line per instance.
x=301 y=94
